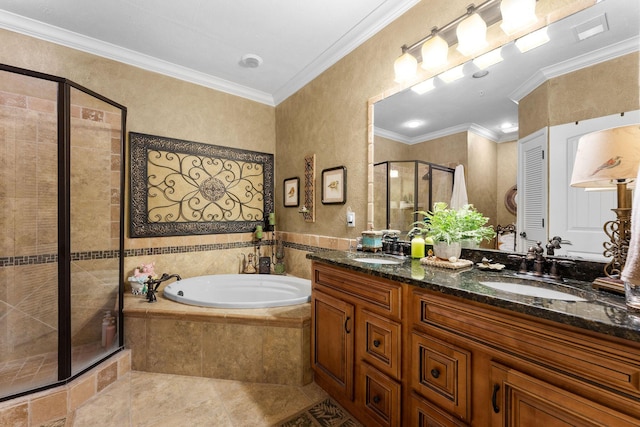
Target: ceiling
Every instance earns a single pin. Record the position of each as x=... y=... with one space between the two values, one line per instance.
x=484 y=104
x=203 y=41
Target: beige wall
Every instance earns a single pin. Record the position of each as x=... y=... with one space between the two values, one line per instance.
x=600 y=90
x=507 y=169
x=158 y=105
x=328 y=117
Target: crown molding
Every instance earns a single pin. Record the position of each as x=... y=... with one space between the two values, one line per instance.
x=574 y=64
x=40 y=30
x=364 y=30
x=465 y=127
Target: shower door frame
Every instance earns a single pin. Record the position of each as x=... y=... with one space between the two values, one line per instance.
x=64 y=226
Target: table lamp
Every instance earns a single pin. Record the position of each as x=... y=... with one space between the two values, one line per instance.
x=609 y=159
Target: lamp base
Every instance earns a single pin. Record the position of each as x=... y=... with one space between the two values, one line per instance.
x=609 y=284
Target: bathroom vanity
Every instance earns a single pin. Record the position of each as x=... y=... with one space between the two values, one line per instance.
x=402 y=344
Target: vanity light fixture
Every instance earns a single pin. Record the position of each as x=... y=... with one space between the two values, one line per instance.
x=472 y=33
x=488 y=59
x=435 y=52
x=424 y=87
x=517 y=15
x=452 y=75
x=532 y=40
x=405 y=66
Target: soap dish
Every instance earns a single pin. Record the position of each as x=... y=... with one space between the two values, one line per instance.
x=486 y=266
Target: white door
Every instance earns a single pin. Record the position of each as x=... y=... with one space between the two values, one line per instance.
x=532 y=190
x=577 y=215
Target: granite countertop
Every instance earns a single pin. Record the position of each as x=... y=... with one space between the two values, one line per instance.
x=599 y=311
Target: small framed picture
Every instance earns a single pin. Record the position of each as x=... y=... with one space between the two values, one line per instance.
x=334 y=185
x=291 y=194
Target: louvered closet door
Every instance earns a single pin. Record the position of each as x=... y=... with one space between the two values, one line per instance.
x=532 y=189
x=577 y=215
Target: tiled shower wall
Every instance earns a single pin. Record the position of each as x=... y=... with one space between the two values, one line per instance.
x=28 y=221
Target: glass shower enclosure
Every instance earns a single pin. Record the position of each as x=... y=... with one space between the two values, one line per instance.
x=61 y=151
x=403 y=188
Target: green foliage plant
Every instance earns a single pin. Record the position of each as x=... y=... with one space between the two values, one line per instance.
x=444 y=224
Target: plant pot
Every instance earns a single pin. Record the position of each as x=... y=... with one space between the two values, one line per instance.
x=446 y=250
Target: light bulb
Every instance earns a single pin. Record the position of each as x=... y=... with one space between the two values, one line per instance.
x=517 y=15
x=434 y=53
x=405 y=67
x=472 y=34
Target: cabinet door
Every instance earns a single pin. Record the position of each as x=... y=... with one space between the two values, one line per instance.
x=524 y=401
x=425 y=414
x=379 y=342
x=380 y=395
x=441 y=373
x=332 y=343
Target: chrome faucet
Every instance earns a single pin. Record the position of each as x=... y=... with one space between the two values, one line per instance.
x=151 y=289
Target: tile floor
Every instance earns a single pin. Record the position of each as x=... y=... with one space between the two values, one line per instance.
x=143 y=399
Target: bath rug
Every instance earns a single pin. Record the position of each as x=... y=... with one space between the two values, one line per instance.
x=323 y=414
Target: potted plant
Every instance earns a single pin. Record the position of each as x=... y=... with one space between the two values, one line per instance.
x=449 y=227
x=473 y=227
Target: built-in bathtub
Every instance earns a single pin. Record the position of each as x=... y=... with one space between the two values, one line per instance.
x=264 y=345
x=240 y=291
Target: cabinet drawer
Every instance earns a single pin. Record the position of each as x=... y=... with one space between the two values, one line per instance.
x=562 y=350
x=425 y=414
x=379 y=342
x=441 y=373
x=380 y=295
x=381 y=396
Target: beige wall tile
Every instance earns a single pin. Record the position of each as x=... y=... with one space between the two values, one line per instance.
x=232 y=351
x=107 y=375
x=170 y=338
x=48 y=408
x=82 y=390
x=15 y=416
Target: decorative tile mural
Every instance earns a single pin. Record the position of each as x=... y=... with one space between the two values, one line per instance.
x=182 y=187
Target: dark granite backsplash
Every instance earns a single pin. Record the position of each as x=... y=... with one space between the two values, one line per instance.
x=585 y=271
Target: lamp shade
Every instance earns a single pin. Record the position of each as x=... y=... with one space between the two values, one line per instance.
x=472 y=34
x=434 y=53
x=606 y=156
x=517 y=15
x=405 y=67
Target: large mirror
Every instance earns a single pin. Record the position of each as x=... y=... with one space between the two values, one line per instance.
x=477 y=120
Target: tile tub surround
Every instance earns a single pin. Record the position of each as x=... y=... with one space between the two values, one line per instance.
x=269 y=345
x=55 y=406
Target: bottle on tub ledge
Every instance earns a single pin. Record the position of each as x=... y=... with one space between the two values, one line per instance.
x=108 y=329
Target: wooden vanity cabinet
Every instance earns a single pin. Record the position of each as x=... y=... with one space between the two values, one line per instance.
x=356 y=343
x=489 y=367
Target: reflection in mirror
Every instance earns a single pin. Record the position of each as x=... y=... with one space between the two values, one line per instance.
x=404 y=188
x=477 y=121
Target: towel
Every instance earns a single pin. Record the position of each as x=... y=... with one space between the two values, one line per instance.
x=459 y=195
x=631 y=271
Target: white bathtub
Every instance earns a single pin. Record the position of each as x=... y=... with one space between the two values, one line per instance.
x=240 y=291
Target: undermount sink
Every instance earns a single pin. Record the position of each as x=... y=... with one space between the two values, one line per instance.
x=373 y=260
x=533 y=291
